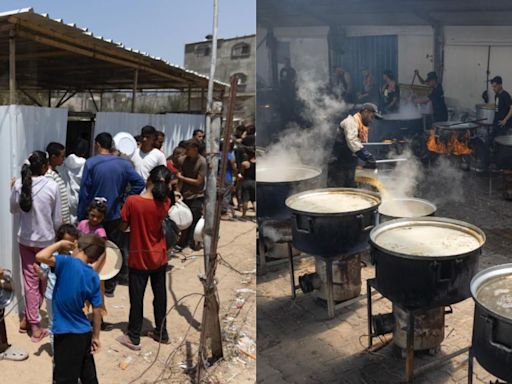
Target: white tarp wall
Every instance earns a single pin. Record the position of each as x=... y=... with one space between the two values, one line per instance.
x=23 y=129
x=176 y=126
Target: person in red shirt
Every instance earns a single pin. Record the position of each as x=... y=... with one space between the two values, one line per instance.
x=147 y=257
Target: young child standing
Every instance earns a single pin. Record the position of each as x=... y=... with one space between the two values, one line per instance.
x=96 y=214
x=64 y=232
x=76 y=282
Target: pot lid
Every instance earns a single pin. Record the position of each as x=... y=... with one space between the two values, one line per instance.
x=492 y=288
x=286 y=174
x=460 y=125
x=407 y=207
x=504 y=140
x=427 y=237
x=333 y=201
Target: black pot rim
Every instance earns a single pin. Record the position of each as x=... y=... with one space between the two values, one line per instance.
x=373 y=208
x=293 y=181
x=433 y=257
x=474 y=285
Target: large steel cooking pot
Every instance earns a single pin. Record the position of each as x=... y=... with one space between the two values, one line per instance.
x=486 y=111
x=492 y=327
x=396 y=126
x=408 y=207
x=332 y=221
x=427 y=262
x=503 y=151
x=275 y=184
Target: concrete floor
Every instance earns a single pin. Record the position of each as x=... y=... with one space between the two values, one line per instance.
x=298 y=344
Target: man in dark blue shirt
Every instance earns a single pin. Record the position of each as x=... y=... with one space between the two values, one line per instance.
x=106 y=175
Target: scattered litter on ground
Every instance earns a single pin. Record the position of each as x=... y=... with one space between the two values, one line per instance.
x=126 y=362
x=245 y=290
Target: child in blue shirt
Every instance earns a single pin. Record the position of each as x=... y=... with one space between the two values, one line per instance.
x=74 y=341
x=65 y=232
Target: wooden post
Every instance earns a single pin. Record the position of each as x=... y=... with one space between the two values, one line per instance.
x=12 y=67
x=134 y=90
x=101 y=101
x=49 y=98
x=189 y=98
x=210 y=325
x=202 y=101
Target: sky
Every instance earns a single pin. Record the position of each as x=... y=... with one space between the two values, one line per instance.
x=158 y=27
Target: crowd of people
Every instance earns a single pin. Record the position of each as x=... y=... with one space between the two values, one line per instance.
x=71 y=209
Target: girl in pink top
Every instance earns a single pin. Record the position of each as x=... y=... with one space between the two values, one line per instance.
x=96 y=213
x=97 y=210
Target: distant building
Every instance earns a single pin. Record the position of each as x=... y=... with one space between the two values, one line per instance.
x=236 y=55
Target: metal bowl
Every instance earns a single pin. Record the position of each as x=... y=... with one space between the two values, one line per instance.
x=409 y=207
x=6 y=288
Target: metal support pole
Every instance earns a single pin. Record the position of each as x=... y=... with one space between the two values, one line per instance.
x=94 y=101
x=292 y=270
x=12 y=67
x=330 y=294
x=369 y=311
x=470 y=366
x=409 y=362
x=439 y=51
x=134 y=90
x=49 y=98
x=261 y=255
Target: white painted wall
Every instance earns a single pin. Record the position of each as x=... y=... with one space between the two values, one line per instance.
x=309 y=51
x=466 y=51
x=263 y=65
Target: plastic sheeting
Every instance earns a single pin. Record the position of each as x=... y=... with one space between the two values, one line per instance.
x=176 y=126
x=23 y=129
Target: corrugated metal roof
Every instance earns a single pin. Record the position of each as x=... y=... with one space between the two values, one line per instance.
x=89 y=34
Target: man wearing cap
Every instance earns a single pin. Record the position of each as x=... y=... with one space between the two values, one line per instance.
x=502 y=117
x=436 y=97
x=348 y=147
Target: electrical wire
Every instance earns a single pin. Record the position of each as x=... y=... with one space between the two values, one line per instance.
x=161 y=331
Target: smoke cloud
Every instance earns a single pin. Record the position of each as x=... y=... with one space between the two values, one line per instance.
x=309 y=144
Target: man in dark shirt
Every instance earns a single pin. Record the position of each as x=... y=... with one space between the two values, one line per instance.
x=436 y=97
x=502 y=117
x=192 y=179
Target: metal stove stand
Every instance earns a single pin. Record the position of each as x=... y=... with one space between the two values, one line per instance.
x=283 y=230
x=470 y=370
x=410 y=373
x=331 y=304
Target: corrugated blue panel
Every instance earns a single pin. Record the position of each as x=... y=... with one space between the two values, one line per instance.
x=378 y=53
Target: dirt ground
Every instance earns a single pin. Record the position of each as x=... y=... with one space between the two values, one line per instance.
x=169 y=363
x=298 y=344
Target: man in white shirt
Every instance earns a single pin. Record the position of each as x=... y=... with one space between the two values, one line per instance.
x=348 y=147
x=147 y=157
